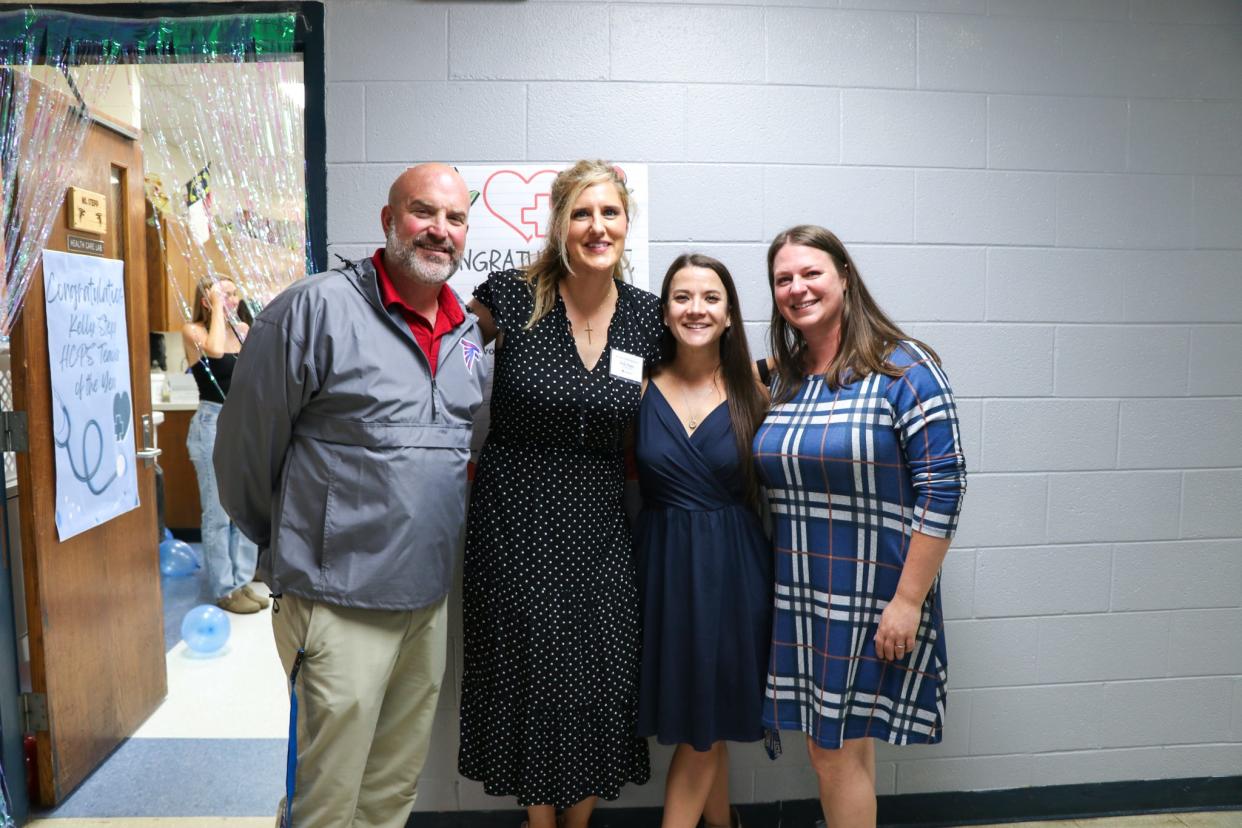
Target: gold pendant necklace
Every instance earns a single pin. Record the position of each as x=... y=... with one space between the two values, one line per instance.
x=694 y=421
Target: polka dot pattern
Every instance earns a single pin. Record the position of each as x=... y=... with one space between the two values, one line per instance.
x=551 y=617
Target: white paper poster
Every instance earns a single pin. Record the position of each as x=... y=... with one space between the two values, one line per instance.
x=508 y=219
x=92 y=405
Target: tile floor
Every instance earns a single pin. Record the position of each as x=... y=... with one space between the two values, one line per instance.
x=216 y=746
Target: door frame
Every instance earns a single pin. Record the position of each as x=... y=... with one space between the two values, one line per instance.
x=308 y=42
x=97 y=667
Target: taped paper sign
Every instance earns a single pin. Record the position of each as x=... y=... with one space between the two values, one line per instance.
x=92 y=403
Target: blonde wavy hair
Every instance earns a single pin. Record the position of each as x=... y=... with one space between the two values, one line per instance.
x=552 y=265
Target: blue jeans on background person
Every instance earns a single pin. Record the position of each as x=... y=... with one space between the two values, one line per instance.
x=229 y=557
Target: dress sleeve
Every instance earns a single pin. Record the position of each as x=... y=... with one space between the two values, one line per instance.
x=508 y=296
x=651 y=323
x=925 y=419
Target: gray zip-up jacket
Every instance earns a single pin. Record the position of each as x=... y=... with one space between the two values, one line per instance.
x=340 y=455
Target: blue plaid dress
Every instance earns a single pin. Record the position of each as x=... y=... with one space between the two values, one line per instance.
x=850 y=474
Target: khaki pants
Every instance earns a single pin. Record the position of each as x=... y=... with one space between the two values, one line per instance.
x=367 y=695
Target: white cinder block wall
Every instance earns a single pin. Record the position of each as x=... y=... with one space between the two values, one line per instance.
x=1047 y=191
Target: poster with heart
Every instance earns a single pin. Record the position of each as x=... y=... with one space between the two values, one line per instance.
x=92 y=408
x=509 y=214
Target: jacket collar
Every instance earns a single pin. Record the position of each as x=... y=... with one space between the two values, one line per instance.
x=361 y=274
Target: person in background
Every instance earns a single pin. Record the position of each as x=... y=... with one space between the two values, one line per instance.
x=862 y=462
x=704 y=563
x=349 y=429
x=550 y=604
x=212 y=340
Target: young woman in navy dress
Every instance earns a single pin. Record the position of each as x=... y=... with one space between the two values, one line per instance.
x=863 y=468
x=705 y=566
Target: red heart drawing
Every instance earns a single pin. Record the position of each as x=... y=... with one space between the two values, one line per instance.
x=516 y=199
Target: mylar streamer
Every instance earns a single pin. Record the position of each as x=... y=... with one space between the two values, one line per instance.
x=46 y=74
x=223 y=139
x=220 y=95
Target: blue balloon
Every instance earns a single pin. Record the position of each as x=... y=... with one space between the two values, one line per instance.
x=205 y=629
x=177 y=558
x=167 y=533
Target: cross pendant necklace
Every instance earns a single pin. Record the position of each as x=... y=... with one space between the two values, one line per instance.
x=586 y=328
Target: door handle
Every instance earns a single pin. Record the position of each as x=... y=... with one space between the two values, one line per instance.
x=149 y=450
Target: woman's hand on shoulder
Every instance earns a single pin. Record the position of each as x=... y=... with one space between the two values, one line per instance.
x=487 y=323
x=770 y=365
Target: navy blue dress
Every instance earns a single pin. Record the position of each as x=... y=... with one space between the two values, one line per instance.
x=705 y=574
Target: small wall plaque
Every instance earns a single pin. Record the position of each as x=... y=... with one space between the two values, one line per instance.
x=85 y=244
x=87 y=211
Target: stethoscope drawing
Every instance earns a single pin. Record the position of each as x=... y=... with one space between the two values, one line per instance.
x=62 y=427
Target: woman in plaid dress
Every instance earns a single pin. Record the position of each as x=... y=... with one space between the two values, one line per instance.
x=863 y=466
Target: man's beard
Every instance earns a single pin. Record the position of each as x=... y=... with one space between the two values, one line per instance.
x=405 y=254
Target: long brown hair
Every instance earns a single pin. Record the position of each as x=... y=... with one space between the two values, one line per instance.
x=868 y=336
x=747 y=405
x=202 y=302
x=552 y=265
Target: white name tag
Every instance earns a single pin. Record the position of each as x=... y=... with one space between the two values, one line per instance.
x=626 y=366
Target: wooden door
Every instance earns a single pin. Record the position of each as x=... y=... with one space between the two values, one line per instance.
x=93 y=603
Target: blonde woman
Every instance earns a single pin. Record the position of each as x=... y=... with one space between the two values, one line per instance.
x=551 y=617
x=212 y=339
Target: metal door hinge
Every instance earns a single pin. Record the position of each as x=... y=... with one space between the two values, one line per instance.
x=34 y=712
x=13 y=434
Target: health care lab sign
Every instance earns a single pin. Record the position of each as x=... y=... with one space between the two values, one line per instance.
x=509 y=214
x=92 y=408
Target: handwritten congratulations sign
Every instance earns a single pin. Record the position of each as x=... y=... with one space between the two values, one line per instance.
x=509 y=216
x=92 y=409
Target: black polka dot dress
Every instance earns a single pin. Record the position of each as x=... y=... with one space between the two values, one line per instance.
x=552 y=629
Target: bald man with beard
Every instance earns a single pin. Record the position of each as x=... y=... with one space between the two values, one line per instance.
x=342 y=453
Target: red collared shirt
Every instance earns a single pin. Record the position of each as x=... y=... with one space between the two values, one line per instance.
x=448 y=316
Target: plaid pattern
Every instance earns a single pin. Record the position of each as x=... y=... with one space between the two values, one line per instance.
x=849 y=475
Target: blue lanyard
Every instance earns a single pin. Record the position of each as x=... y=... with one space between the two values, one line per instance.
x=291 y=760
